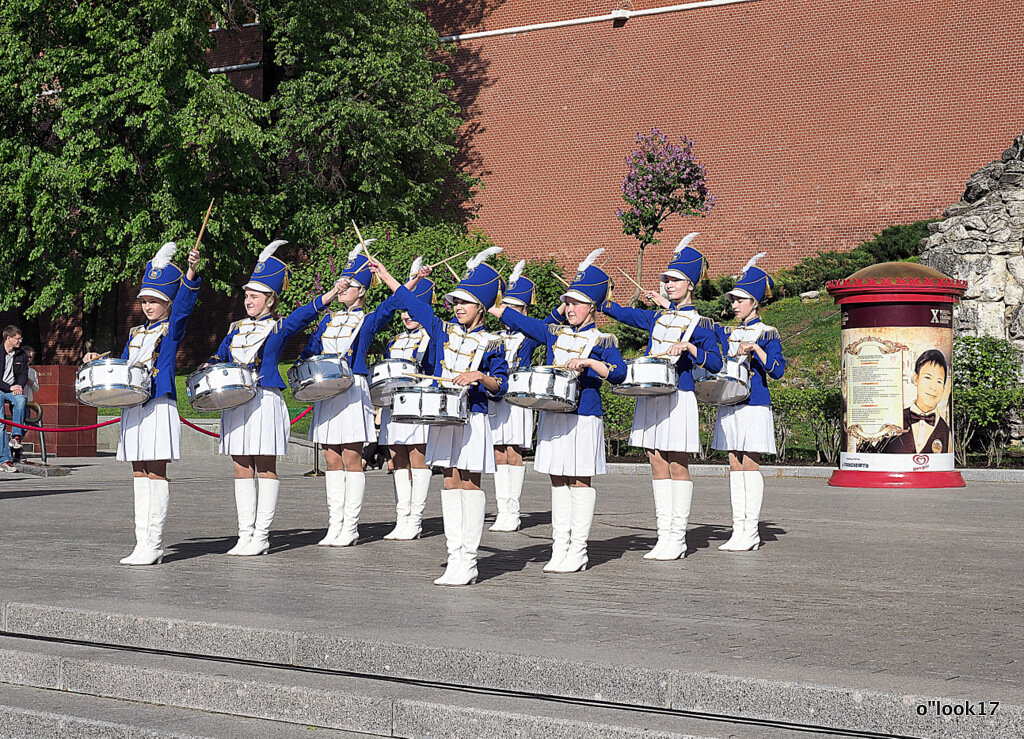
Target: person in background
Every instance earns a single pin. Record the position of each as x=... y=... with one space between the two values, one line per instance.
x=13 y=378
x=32 y=386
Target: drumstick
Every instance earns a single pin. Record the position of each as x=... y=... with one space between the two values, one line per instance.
x=205 y=220
x=559 y=278
x=626 y=275
x=448 y=259
x=363 y=243
x=454 y=273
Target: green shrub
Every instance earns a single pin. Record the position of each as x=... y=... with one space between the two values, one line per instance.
x=986 y=396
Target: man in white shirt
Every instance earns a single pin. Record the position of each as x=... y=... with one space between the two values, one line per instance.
x=13 y=378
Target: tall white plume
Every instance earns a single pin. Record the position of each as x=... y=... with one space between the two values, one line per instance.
x=754 y=260
x=591 y=258
x=271 y=248
x=165 y=255
x=355 y=252
x=416 y=264
x=517 y=271
x=482 y=257
x=686 y=241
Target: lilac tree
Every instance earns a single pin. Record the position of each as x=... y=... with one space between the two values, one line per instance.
x=663 y=180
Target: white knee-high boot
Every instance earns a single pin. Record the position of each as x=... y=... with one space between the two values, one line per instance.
x=140 y=488
x=675 y=544
x=662 y=515
x=245 y=503
x=402 y=480
x=420 y=491
x=583 y=502
x=451 y=514
x=334 y=481
x=500 y=496
x=561 y=521
x=516 y=477
x=753 y=496
x=266 y=507
x=474 y=504
x=159 y=498
x=355 y=486
x=737 y=498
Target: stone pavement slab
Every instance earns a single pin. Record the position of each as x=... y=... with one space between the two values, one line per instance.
x=911 y=592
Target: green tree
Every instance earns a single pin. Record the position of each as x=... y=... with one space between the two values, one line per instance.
x=114 y=136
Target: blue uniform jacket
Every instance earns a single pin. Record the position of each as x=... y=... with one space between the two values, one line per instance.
x=704 y=338
x=589 y=381
x=774 y=368
x=356 y=357
x=270 y=353
x=492 y=363
x=167 y=347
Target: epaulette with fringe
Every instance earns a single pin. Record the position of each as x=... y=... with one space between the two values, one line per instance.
x=706 y=323
x=556 y=328
x=769 y=333
x=235 y=324
x=607 y=340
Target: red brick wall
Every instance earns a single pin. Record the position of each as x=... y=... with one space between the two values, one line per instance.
x=820 y=122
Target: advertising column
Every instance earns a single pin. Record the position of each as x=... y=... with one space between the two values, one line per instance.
x=897 y=377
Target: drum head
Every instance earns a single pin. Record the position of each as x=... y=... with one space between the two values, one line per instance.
x=314 y=391
x=539 y=403
x=642 y=391
x=224 y=398
x=112 y=397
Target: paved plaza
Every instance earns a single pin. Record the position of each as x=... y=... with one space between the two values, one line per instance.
x=859 y=600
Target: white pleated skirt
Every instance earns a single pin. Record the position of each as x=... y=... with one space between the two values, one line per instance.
x=568 y=444
x=465 y=446
x=394 y=432
x=259 y=427
x=745 y=428
x=669 y=423
x=511 y=424
x=150 y=432
x=345 y=418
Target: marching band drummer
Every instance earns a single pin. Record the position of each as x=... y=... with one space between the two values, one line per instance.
x=667 y=425
x=255 y=432
x=407 y=442
x=469 y=357
x=570 y=446
x=344 y=423
x=512 y=425
x=151 y=432
x=747 y=430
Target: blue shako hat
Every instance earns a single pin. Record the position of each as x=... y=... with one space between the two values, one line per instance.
x=482 y=283
x=754 y=282
x=271 y=274
x=358 y=267
x=161 y=278
x=424 y=289
x=520 y=290
x=591 y=284
x=687 y=262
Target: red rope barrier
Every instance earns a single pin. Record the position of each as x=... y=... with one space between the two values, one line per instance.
x=67 y=429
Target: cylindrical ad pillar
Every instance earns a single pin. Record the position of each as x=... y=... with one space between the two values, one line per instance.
x=897 y=377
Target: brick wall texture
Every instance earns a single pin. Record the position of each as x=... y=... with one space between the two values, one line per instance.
x=820 y=123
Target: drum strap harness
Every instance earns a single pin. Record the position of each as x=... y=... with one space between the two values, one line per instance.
x=572 y=344
x=144 y=344
x=410 y=345
x=666 y=326
x=339 y=334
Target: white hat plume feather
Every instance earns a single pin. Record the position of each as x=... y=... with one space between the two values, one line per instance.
x=415 y=268
x=686 y=241
x=164 y=255
x=482 y=257
x=591 y=258
x=754 y=260
x=517 y=271
x=271 y=248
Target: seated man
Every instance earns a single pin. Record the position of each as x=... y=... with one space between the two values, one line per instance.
x=13 y=378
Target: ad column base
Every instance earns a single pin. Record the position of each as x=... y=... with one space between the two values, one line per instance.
x=864 y=479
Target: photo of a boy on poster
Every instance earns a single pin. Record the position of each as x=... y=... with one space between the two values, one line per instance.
x=925 y=431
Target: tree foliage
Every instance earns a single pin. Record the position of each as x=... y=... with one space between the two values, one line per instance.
x=114 y=136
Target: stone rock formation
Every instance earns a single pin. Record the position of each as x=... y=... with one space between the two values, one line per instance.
x=981 y=240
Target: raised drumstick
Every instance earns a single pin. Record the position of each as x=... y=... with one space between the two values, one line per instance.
x=205 y=221
x=362 y=242
x=448 y=259
x=638 y=285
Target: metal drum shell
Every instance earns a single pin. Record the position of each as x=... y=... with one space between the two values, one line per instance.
x=730 y=386
x=666 y=385
x=523 y=390
x=320 y=377
x=390 y=375
x=407 y=406
x=112 y=383
x=227 y=385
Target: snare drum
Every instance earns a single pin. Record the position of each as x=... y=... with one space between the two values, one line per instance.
x=388 y=376
x=544 y=388
x=647 y=376
x=112 y=383
x=440 y=406
x=320 y=377
x=220 y=386
x=728 y=387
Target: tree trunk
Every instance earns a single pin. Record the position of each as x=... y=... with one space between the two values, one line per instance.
x=639 y=273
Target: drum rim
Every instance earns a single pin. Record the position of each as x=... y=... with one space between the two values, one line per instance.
x=545 y=369
x=222 y=365
x=654 y=360
x=617 y=389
